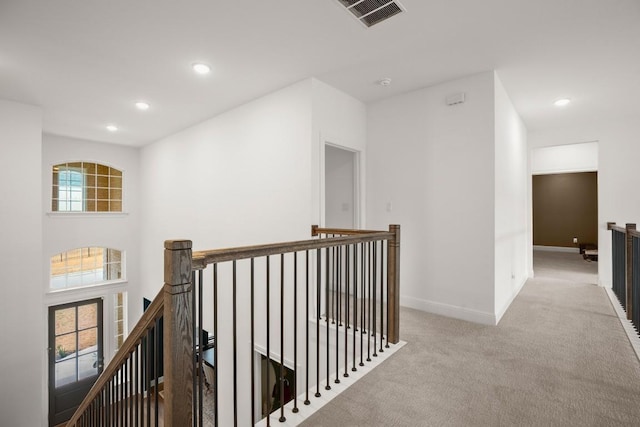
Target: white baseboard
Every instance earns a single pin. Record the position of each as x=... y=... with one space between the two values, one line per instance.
x=507 y=304
x=442 y=309
x=556 y=249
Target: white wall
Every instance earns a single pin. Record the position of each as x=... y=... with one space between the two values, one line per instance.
x=512 y=224
x=339 y=191
x=23 y=355
x=340 y=120
x=581 y=157
x=63 y=232
x=241 y=178
x=618 y=153
x=435 y=164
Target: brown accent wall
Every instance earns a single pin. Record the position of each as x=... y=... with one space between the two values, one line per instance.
x=565 y=206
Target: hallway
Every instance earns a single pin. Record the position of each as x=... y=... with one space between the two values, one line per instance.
x=559 y=357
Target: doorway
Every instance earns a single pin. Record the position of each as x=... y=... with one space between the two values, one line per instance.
x=273 y=394
x=564 y=197
x=75 y=355
x=341 y=185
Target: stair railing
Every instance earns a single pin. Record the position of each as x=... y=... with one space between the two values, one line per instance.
x=317 y=308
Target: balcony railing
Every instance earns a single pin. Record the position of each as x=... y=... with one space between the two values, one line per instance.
x=317 y=310
x=625 y=259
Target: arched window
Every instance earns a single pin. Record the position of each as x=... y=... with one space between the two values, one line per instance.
x=86 y=187
x=85 y=266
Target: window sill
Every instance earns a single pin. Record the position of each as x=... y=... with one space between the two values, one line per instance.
x=87 y=214
x=63 y=296
x=103 y=285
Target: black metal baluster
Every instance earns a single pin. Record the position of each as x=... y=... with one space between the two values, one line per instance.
x=215 y=346
x=373 y=305
x=203 y=345
x=355 y=304
x=253 y=344
x=318 y=317
x=136 y=390
x=381 y=350
x=635 y=275
x=306 y=323
x=282 y=417
x=268 y=342
x=235 y=348
x=196 y=338
x=333 y=285
x=327 y=278
x=338 y=279
x=363 y=305
x=329 y=282
x=346 y=304
x=369 y=304
x=122 y=395
x=295 y=332
x=148 y=376
x=156 y=360
x=131 y=381
x=339 y=283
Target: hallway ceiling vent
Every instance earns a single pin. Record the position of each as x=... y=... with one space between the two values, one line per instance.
x=372 y=12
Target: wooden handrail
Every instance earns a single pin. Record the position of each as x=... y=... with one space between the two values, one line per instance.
x=613 y=226
x=315 y=230
x=203 y=258
x=147 y=321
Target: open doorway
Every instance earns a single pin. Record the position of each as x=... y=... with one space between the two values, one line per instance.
x=565 y=212
x=341 y=183
x=273 y=393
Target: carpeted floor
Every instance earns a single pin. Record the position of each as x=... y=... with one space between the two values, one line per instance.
x=559 y=357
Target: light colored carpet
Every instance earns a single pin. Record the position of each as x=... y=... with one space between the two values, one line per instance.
x=559 y=357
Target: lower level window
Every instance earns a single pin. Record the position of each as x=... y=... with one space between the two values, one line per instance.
x=120 y=319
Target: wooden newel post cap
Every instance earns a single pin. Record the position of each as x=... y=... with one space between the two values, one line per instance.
x=314 y=230
x=610 y=225
x=177 y=245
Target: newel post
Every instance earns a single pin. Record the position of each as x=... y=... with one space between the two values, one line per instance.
x=629 y=269
x=178 y=342
x=393 y=283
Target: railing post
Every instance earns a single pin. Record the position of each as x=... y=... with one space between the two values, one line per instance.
x=629 y=269
x=178 y=343
x=393 y=283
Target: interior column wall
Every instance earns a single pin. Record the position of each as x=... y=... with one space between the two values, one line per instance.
x=431 y=169
x=511 y=215
x=23 y=357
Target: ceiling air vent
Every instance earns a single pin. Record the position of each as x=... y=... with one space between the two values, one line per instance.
x=371 y=12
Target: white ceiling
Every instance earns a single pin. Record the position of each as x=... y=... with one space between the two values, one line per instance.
x=87 y=61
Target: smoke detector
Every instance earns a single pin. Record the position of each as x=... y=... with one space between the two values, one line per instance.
x=384 y=82
x=372 y=12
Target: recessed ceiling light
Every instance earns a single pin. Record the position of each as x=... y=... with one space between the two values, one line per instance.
x=384 y=82
x=112 y=128
x=201 y=68
x=141 y=105
x=562 y=102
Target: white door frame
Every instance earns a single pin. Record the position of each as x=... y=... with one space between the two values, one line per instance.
x=357 y=195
